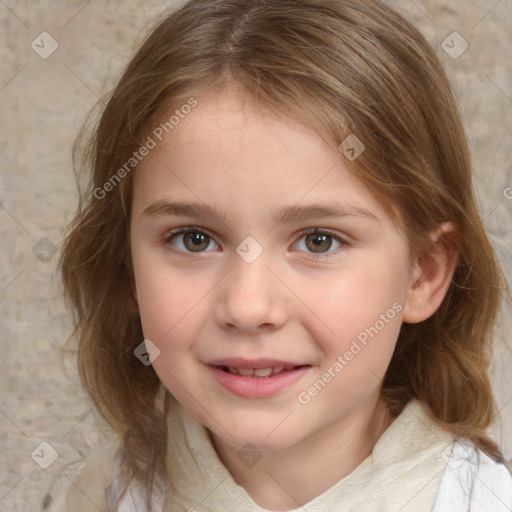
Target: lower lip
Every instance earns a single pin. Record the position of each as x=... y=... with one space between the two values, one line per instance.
x=257 y=387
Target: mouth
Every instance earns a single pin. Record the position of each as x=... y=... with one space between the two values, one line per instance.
x=261 y=373
x=259 y=378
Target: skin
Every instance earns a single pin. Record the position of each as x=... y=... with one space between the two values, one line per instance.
x=198 y=306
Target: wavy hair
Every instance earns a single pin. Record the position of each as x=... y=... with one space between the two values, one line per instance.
x=344 y=67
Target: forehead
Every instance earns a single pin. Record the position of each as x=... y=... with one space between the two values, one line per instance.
x=232 y=152
x=230 y=125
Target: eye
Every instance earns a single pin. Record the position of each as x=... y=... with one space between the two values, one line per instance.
x=315 y=241
x=190 y=240
x=318 y=241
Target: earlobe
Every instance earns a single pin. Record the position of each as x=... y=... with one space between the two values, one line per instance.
x=432 y=275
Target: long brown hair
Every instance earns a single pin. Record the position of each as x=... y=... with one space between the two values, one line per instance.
x=344 y=67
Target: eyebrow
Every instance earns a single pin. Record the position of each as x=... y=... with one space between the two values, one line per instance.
x=287 y=214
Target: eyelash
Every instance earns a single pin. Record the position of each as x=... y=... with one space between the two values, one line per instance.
x=319 y=231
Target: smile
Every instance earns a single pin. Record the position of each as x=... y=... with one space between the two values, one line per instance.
x=257 y=378
x=258 y=372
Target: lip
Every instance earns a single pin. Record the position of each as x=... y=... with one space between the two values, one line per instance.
x=256 y=387
x=241 y=362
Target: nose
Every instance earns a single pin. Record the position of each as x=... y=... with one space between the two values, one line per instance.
x=251 y=298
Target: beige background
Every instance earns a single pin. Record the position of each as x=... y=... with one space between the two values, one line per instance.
x=43 y=104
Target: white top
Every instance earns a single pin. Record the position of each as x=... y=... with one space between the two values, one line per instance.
x=414 y=467
x=472 y=481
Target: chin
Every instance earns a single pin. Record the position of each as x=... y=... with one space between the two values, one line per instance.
x=258 y=436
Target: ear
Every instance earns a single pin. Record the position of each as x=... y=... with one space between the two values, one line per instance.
x=432 y=274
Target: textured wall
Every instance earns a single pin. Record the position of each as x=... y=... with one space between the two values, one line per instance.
x=43 y=102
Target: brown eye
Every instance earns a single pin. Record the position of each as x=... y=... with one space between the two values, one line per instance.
x=191 y=240
x=196 y=242
x=318 y=242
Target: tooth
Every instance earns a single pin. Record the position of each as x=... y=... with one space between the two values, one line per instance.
x=245 y=371
x=263 y=372
x=277 y=369
x=289 y=367
x=232 y=369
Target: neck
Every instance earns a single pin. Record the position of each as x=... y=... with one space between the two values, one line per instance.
x=281 y=480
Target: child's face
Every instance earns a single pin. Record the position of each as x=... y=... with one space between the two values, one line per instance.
x=207 y=305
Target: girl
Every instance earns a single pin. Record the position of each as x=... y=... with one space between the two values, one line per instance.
x=284 y=295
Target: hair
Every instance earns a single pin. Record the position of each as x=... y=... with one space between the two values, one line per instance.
x=343 y=67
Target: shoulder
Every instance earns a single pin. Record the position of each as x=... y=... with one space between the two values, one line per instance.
x=473 y=481
x=82 y=486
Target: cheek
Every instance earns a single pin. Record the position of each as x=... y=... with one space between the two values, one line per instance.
x=360 y=313
x=170 y=310
x=168 y=301
x=354 y=300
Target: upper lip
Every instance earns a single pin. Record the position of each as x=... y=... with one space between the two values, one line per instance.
x=240 y=362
